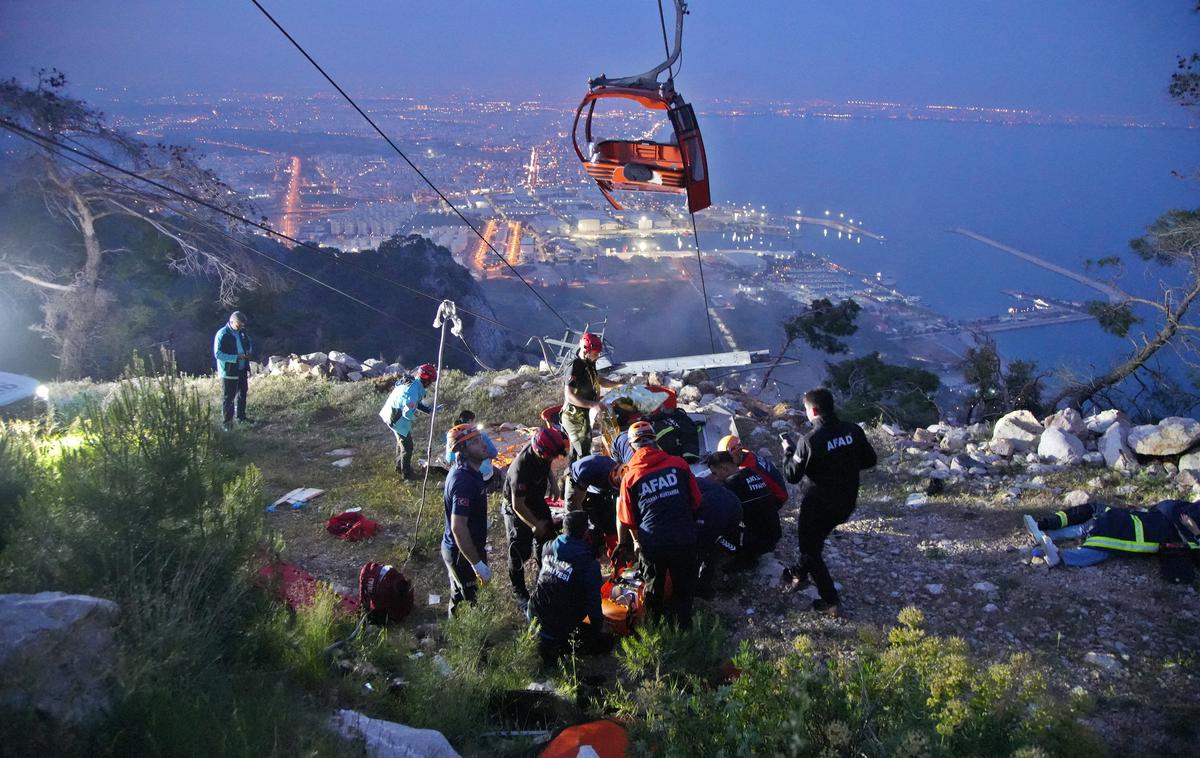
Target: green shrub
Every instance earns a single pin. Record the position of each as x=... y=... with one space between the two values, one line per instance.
x=908 y=694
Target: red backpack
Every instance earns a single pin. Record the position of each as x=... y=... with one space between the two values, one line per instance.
x=384 y=593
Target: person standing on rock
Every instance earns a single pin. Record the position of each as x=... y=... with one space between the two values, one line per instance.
x=465 y=501
x=232 y=350
x=399 y=412
x=581 y=395
x=831 y=456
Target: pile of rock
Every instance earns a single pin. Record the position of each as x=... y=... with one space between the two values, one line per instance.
x=1106 y=439
x=333 y=365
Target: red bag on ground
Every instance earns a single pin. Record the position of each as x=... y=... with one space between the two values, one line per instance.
x=351 y=526
x=604 y=738
x=384 y=593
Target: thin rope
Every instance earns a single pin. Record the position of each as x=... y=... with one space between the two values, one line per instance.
x=662 y=21
x=712 y=342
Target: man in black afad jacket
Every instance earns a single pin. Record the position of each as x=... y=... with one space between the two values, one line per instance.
x=831 y=455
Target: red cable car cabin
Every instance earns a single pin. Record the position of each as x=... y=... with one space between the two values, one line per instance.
x=678 y=166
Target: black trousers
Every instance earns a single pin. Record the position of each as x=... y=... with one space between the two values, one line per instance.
x=522 y=545
x=404 y=454
x=679 y=563
x=233 y=396
x=1078 y=514
x=463 y=586
x=817 y=520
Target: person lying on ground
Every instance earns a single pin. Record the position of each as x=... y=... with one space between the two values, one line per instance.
x=1104 y=531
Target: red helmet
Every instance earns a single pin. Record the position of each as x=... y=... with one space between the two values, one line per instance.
x=591 y=343
x=549 y=443
x=427 y=372
x=459 y=434
x=641 y=432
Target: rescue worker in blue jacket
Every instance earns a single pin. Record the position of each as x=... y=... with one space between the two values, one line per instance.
x=399 y=412
x=718 y=531
x=1106 y=531
x=465 y=502
x=831 y=456
x=592 y=485
x=761 y=529
x=232 y=350
x=567 y=592
x=656 y=513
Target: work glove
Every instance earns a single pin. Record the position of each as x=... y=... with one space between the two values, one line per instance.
x=483 y=572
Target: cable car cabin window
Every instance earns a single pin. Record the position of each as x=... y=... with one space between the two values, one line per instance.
x=683 y=119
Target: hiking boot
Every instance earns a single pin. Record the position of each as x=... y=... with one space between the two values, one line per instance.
x=1031 y=526
x=833 y=610
x=1051 y=557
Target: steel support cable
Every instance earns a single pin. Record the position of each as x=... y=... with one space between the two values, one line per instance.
x=411 y=165
x=712 y=342
x=229 y=236
x=338 y=260
x=662 y=20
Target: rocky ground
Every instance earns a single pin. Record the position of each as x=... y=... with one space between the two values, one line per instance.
x=1116 y=631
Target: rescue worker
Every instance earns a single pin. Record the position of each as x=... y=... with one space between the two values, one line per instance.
x=465 y=503
x=486 y=469
x=527 y=521
x=567 y=592
x=399 y=412
x=760 y=508
x=656 y=514
x=232 y=350
x=743 y=458
x=592 y=485
x=831 y=456
x=581 y=395
x=718 y=531
x=1105 y=531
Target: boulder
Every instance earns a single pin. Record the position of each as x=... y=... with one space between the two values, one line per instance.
x=977 y=432
x=354 y=376
x=314 y=359
x=1114 y=449
x=688 y=394
x=1188 y=478
x=349 y=361
x=387 y=739
x=1171 y=436
x=1060 y=446
x=1076 y=497
x=1068 y=420
x=1021 y=428
x=1002 y=447
x=924 y=437
x=1190 y=461
x=277 y=364
x=1099 y=423
x=57 y=655
x=954 y=441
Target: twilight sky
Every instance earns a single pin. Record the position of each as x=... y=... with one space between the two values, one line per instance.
x=1086 y=56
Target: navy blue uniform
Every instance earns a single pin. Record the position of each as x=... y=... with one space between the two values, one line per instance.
x=718 y=528
x=593 y=473
x=529 y=479
x=567 y=589
x=464 y=495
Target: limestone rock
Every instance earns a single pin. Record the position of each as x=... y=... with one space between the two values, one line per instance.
x=1170 y=436
x=1190 y=461
x=57 y=655
x=1099 y=423
x=1068 y=420
x=1060 y=446
x=1116 y=453
x=314 y=359
x=688 y=394
x=1021 y=428
x=387 y=739
x=954 y=441
x=1076 y=497
x=349 y=361
x=1002 y=447
x=924 y=437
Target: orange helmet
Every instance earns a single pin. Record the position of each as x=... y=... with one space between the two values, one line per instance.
x=549 y=443
x=459 y=434
x=427 y=372
x=729 y=442
x=591 y=343
x=641 y=432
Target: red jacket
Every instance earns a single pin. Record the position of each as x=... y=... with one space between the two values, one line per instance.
x=769 y=474
x=659 y=498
